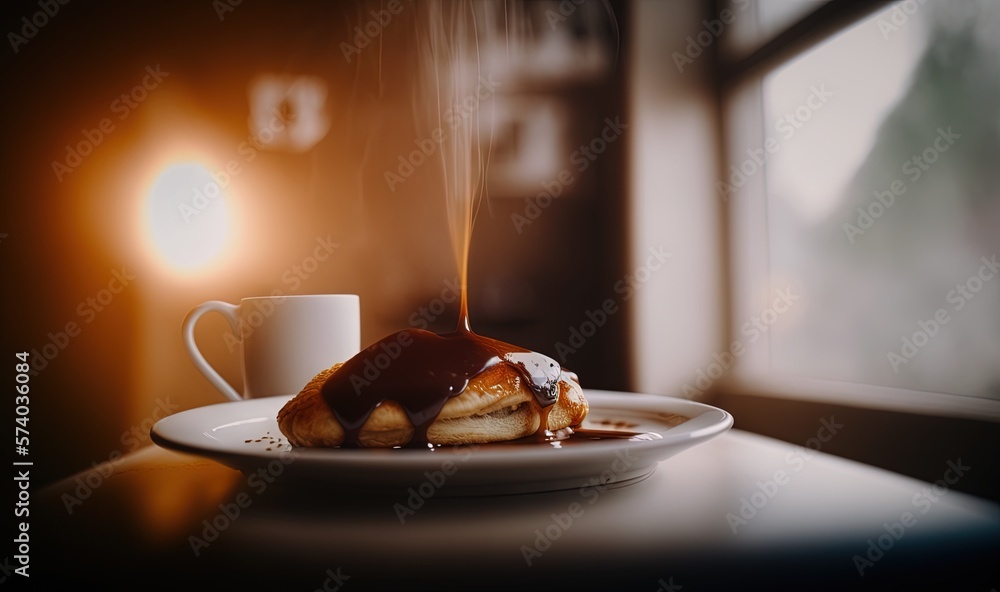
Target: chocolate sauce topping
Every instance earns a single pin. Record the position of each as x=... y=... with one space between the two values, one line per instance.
x=421 y=371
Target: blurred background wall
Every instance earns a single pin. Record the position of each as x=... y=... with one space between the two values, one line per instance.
x=159 y=155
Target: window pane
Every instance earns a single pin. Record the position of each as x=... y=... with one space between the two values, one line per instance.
x=883 y=197
x=757 y=21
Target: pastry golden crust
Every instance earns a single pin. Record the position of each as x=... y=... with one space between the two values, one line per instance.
x=495 y=406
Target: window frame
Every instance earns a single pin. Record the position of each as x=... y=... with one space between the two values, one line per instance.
x=739 y=82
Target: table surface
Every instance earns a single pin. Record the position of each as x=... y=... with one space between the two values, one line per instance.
x=739 y=510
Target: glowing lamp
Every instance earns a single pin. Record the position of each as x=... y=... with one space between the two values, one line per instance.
x=186 y=216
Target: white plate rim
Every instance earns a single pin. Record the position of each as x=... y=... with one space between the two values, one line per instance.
x=705 y=422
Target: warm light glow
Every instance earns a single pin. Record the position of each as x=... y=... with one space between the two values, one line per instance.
x=186 y=216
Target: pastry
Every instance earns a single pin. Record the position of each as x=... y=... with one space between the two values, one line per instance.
x=417 y=388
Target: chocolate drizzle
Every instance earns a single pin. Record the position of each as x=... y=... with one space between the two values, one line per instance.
x=421 y=371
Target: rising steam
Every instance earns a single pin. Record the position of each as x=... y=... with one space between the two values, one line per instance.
x=452 y=36
x=464 y=49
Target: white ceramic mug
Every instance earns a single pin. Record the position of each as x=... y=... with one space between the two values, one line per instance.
x=286 y=340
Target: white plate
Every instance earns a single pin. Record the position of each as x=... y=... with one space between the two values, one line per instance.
x=221 y=432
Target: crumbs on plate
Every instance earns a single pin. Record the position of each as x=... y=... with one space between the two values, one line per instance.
x=270 y=441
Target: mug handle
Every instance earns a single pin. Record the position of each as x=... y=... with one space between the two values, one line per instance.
x=231 y=312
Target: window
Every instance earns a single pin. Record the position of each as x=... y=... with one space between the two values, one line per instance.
x=864 y=206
